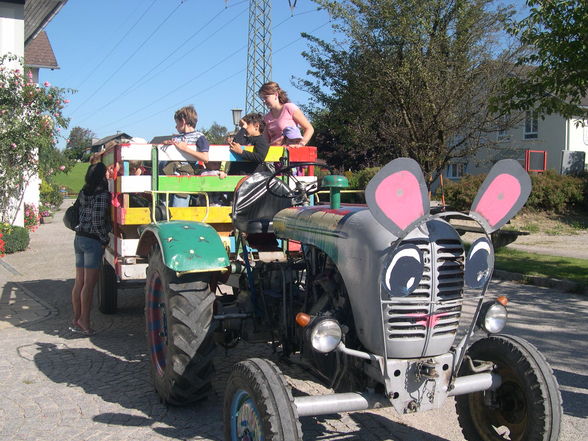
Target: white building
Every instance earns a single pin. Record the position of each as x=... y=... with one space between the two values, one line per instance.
x=552 y=143
x=21 y=34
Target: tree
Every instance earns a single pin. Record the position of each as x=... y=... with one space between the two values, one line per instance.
x=216 y=134
x=553 y=75
x=30 y=120
x=78 y=143
x=407 y=78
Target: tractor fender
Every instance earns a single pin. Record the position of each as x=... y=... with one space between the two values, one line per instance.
x=186 y=246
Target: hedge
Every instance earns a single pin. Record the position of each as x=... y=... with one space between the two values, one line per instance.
x=15 y=238
x=551 y=192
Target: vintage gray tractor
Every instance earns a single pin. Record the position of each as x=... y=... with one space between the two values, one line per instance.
x=382 y=302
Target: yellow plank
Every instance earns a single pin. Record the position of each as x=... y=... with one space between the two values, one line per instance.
x=274 y=153
x=215 y=215
x=136 y=216
x=211 y=215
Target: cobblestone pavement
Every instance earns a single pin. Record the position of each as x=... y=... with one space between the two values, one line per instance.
x=56 y=385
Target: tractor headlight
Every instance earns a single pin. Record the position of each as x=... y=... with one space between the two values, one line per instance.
x=493 y=317
x=325 y=335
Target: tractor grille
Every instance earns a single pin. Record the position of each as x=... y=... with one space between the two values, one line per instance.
x=434 y=308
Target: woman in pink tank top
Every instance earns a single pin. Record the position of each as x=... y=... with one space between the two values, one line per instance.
x=282 y=113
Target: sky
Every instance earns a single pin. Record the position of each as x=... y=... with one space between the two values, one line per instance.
x=133 y=63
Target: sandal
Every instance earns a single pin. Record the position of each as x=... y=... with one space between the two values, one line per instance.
x=79 y=330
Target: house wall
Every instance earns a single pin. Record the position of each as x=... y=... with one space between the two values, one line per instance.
x=12 y=42
x=12 y=28
x=578 y=137
x=554 y=134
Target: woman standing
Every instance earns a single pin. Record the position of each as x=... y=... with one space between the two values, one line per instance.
x=89 y=243
x=282 y=113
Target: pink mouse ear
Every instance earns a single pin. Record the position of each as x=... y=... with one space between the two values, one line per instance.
x=397 y=196
x=502 y=194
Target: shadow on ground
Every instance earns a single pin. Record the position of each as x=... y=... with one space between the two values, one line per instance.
x=116 y=368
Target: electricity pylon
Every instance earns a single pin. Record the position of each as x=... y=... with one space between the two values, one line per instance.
x=259 y=53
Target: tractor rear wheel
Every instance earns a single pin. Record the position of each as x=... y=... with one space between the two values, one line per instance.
x=178 y=317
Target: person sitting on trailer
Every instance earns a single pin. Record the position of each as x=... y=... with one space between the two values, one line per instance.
x=254 y=161
x=186 y=119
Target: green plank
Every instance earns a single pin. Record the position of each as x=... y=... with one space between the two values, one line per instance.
x=197 y=183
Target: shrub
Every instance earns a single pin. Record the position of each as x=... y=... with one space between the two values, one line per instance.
x=551 y=192
x=555 y=193
x=459 y=195
x=50 y=194
x=358 y=180
x=2 y=246
x=15 y=238
x=31 y=217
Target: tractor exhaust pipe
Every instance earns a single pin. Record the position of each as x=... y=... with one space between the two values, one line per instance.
x=334 y=403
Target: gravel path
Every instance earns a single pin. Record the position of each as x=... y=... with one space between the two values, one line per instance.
x=575 y=245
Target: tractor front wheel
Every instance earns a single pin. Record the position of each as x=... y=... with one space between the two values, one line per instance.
x=526 y=407
x=259 y=404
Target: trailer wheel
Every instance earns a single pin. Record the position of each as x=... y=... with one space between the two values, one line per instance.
x=259 y=404
x=107 y=289
x=178 y=316
x=526 y=407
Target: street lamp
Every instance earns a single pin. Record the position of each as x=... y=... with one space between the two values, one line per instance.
x=236 y=117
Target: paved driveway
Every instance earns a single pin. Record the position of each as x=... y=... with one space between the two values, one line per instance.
x=56 y=385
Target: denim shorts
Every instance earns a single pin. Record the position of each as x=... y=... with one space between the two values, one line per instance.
x=88 y=251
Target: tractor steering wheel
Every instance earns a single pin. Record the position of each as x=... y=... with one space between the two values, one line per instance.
x=302 y=189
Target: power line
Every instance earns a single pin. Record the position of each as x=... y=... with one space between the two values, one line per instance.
x=118 y=43
x=143 y=79
x=185 y=99
x=125 y=62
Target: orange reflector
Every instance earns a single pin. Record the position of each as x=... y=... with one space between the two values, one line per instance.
x=503 y=300
x=302 y=319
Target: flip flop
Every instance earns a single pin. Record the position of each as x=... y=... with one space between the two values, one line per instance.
x=86 y=332
x=74 y=328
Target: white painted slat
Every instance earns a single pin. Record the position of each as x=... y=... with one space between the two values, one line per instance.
x=133 y=272
x=127 y=247
x=135 y=184
x=135 y=152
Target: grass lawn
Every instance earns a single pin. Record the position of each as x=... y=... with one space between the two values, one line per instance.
x=542 y=265
x=74 y=180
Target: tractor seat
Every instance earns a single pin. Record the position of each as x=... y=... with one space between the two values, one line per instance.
x=254 y=207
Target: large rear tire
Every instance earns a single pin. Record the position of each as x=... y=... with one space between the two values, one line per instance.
x=526 y=407
x=107 y=289
x=178 y=316
x=259 y=404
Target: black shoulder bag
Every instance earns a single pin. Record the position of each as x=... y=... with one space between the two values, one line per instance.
x=71 y=218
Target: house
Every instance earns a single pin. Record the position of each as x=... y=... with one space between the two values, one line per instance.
x=100 y=144
x=160 y=139
x=551 y=142
x=21 y=34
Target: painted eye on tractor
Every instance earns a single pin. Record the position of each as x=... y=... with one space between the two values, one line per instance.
x=479 y=263
x=403 y=271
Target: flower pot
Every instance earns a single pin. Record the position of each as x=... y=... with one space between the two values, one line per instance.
x=47 y=219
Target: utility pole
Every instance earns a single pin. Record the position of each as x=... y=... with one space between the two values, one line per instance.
x=259 y=53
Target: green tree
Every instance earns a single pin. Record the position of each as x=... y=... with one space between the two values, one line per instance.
x=78 y=143
x=216 y=134
x=553 y=74
x=407 y=78
x=30 y=121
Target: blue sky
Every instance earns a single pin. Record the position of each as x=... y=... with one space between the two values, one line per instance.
x=134 y=62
